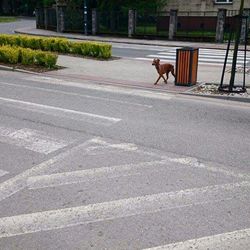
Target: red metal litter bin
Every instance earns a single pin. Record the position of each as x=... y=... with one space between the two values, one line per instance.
x=186 y=66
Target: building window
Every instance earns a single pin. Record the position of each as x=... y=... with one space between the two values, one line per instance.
x=223 y=1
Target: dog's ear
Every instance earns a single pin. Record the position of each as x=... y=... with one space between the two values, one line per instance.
x=158 y=60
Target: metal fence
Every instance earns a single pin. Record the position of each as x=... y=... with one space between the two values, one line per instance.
x=193 y=26
x=152 y=24
x=198 y=26
x=52 y=21
x=113 y=22
x=74 y=20
x=40 y=18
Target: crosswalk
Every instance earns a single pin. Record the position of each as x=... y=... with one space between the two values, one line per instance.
x=126 y=181
x=206 y=56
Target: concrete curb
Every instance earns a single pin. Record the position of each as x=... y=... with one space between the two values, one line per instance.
x=8 y=68
x=228 y=98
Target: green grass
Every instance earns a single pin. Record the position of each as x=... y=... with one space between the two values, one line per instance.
x=196 y=33
x=149 y=30
x=6 y=19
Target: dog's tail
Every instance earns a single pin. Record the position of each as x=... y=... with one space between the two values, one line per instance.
x=172 y=71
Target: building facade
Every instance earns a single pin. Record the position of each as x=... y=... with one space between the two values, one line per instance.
x=205 y=5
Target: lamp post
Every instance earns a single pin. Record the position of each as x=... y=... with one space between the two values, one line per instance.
x=85 y=17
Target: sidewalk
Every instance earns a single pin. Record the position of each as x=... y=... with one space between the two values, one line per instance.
x=128 y=72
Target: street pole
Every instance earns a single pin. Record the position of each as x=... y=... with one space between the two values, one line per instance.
x=85 y=17
x=236 y=47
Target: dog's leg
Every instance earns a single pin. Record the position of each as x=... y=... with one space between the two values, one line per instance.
x=167 y=75
x=157 y=80
x=165 y=80
x=172 y=72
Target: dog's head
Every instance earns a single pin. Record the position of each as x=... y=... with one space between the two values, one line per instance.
x=156 y=61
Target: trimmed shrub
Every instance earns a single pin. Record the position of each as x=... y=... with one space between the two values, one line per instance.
x=14 y=55
x=40 y=58
x=50 y=60
x=9 y=54
x=61 y=45
x=27 y=56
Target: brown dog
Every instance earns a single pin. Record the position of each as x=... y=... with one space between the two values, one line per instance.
x=163 y=69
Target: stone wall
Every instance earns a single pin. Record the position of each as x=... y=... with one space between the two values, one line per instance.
x=203 y=5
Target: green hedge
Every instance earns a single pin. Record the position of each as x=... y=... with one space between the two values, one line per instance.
x=61 y=45
x=14 y=55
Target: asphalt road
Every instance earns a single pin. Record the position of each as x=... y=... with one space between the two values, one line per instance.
x=9 y=28
x=84 y=167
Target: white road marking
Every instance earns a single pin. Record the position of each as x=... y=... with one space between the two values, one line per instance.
x=31 y=139
x=193 y=162
x=237 y=240
x=19 y=182
x=68 y=217
x=104 y=88
x=3 y=172
x=89 y=175
x=77 y=94
x=122 y=146
x=61 y=112
x=201 y=59
x=205 y=54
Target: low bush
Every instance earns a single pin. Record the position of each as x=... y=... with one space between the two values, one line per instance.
x=60 y=45
x=27 y=56
x=9 y=55
x=14 y=55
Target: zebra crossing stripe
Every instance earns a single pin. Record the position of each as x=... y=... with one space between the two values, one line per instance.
x=201 y=59
x=19 y=182
x=239 y=240
x=68 y=217
x=88 y=175
x=30 y=139
x=3 y=172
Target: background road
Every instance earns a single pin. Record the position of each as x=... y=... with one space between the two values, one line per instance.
x=9 y=28
x=84 y=167
x=143 y=52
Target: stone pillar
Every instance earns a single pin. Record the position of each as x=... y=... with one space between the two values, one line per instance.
x=46 y=18
x=172 y=24
x=94 y=22
x=37 y=18
x=131 y=23
x=60 y=12
x=245 y=24
x=221 y=18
